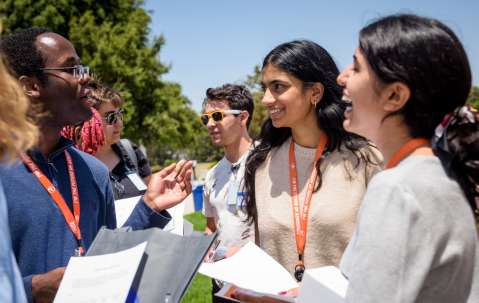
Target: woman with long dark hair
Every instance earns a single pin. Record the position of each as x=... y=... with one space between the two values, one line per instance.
x=416 y=238
x=306 y=176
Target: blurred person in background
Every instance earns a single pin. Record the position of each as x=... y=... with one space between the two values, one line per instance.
x=129 y=169
x=227 y=114
x=100 y=136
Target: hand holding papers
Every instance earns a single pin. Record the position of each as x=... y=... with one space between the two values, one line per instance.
x=251 y=268
x=262 y=278
x=323 y=284
x=169 y=264
x=104 y=278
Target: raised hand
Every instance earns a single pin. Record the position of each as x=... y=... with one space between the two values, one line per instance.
x=169 y=186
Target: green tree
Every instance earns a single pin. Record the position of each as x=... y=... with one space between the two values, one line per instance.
x=253 y=83
x=474 y=97
x=112 y=37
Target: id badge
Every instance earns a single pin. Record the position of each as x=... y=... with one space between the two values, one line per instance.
x=137 y=181
x=232 y=193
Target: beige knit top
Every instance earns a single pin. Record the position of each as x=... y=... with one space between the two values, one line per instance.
x=332 y=215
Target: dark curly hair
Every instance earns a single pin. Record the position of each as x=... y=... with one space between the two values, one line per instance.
x=22 y=55
x=428 y=57
x=310 y=63
x=237 y=97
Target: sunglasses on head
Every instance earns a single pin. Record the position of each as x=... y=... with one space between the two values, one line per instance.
x=113 y=116
x=218 y=115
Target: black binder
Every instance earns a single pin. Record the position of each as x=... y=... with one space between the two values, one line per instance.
x=168 y=266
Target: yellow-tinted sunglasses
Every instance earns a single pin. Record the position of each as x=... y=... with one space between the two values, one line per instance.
x=218 y=115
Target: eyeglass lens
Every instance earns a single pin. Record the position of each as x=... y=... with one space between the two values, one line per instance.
x=113 y=117
x=81 y=71
x=217 y=117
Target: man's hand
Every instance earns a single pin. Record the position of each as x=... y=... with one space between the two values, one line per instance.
x=45 y=286
x=169 y=186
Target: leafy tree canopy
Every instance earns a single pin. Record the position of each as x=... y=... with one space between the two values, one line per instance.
x=474 y=97
x=112 y=37
x=253 y=83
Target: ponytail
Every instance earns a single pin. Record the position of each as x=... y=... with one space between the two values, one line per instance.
x=456 y=143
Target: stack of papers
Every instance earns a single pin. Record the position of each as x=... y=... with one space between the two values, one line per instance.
x=325 y=284
x=255 y=271
x=169 y=264
x=251 y=268
x=105 y=278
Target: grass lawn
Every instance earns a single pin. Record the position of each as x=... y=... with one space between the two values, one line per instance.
x=200 y=289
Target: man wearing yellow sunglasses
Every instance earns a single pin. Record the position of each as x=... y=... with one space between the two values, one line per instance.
x=227 y=113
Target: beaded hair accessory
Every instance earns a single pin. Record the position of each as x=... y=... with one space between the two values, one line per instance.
x=88 y=136
x=441 y=145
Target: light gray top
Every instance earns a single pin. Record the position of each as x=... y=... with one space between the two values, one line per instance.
x=416 y=239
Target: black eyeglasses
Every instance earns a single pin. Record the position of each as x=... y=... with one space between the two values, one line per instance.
x=79 y=71
x=218 y=115
x=113 y=116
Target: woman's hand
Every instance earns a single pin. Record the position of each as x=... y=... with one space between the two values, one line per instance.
x=251 y=297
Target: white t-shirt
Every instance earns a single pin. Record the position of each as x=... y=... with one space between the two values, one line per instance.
x=223 y=198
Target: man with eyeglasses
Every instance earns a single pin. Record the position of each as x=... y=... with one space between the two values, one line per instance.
x=227 y=114
x=59 y=197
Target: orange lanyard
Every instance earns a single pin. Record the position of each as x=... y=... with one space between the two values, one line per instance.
x=73 y=220
x=406 y=150
x=300 y=218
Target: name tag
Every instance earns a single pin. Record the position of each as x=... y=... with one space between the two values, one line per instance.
x=137 y=181
x=232 y=193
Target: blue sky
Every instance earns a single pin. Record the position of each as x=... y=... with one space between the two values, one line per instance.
x=211 y=42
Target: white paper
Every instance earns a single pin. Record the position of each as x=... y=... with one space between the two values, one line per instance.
x=105 y=278
x=251 y=268
x=177 y=222
x=124 y=208
x=325 y=284
x=137 y=181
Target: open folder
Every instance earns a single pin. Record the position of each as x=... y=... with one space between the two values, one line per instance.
x=170 y=261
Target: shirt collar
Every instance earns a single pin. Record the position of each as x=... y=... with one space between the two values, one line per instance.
x=63 y=144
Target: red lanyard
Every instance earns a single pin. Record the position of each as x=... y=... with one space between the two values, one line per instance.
x=300 y=218
x=405 y=151
x=73 y=220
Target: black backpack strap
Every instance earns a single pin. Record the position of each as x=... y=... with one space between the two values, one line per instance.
x=130 y=152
